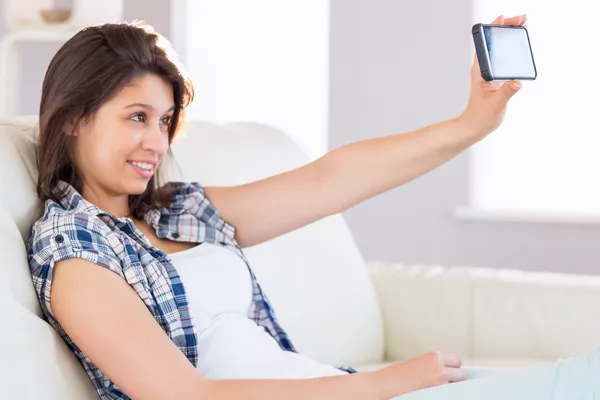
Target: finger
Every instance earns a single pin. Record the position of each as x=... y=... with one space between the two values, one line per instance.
x=489 y=86
x=475 y=66
x=476 y=77
x=524 y=21
x=451 y=360
x=456 y=374
x=511 y=87
x=499 y=20
x=513 y=21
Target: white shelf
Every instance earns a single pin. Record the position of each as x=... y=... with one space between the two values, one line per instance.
x=570 y=218
x=42 y=34
x=9 y=59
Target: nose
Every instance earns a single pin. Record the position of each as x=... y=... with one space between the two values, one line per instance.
x=156 y=139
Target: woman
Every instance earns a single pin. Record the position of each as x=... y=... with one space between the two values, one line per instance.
x=117 y=258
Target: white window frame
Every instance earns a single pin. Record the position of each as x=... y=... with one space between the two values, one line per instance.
x=302 y=112
x=485 y=11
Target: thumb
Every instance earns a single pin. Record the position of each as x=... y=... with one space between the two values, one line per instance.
x=456 y=374
x=509 y=89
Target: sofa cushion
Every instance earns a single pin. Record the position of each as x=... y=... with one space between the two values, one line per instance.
x=35 y=363
x=18 y=173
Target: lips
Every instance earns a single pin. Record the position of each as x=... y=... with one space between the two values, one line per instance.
x=143 y=168
x=143 y=165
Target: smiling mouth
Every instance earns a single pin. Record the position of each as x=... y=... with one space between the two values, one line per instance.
x=143 y=165
x=144 y=169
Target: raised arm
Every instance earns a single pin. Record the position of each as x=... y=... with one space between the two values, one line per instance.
x=108 y=322
x=353 y=173
x=342 y=178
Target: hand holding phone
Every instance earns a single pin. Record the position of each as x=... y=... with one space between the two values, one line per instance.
x=504 y=52
x=487 y=103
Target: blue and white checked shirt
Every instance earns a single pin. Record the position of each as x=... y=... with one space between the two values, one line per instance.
x=74 y=227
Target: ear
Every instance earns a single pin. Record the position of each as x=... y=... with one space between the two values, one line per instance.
x=69 y=129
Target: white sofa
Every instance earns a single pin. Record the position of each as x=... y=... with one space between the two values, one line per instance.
x=336 y=307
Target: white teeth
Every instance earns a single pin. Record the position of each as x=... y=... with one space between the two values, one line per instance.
x=142 y=165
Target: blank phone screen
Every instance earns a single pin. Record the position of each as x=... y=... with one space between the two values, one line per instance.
x=510 y=52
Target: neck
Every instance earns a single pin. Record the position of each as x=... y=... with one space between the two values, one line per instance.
x=116 y=204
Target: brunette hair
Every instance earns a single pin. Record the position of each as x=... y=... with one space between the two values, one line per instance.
x=88 y=70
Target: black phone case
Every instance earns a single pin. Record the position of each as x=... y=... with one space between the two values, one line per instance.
x=483 y=57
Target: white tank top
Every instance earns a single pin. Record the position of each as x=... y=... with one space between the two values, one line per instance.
x=218 y=287
x=216 y=281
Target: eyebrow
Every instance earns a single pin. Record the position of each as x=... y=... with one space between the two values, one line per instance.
x=147 y=106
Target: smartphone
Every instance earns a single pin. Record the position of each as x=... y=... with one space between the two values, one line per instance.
x=504 y=52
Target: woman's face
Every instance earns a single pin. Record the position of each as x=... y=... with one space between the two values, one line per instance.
x=121 y=147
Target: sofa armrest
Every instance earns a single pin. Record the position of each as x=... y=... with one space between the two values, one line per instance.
x=486 y=313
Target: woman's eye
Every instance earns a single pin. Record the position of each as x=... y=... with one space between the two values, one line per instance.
x=166 y=121
x=138 y=117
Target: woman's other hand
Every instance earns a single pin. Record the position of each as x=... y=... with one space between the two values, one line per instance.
x=431 y=369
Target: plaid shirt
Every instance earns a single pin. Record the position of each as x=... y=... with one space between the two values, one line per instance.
x=74 y=227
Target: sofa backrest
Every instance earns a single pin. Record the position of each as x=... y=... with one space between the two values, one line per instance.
x=34 y=360
x=315 y=276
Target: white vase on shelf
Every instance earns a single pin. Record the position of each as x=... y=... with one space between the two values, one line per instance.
x=27 y=14
x=29 y=21
x=24 y=14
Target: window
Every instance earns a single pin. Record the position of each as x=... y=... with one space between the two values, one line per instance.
x=264 y=61
x=544 y=158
